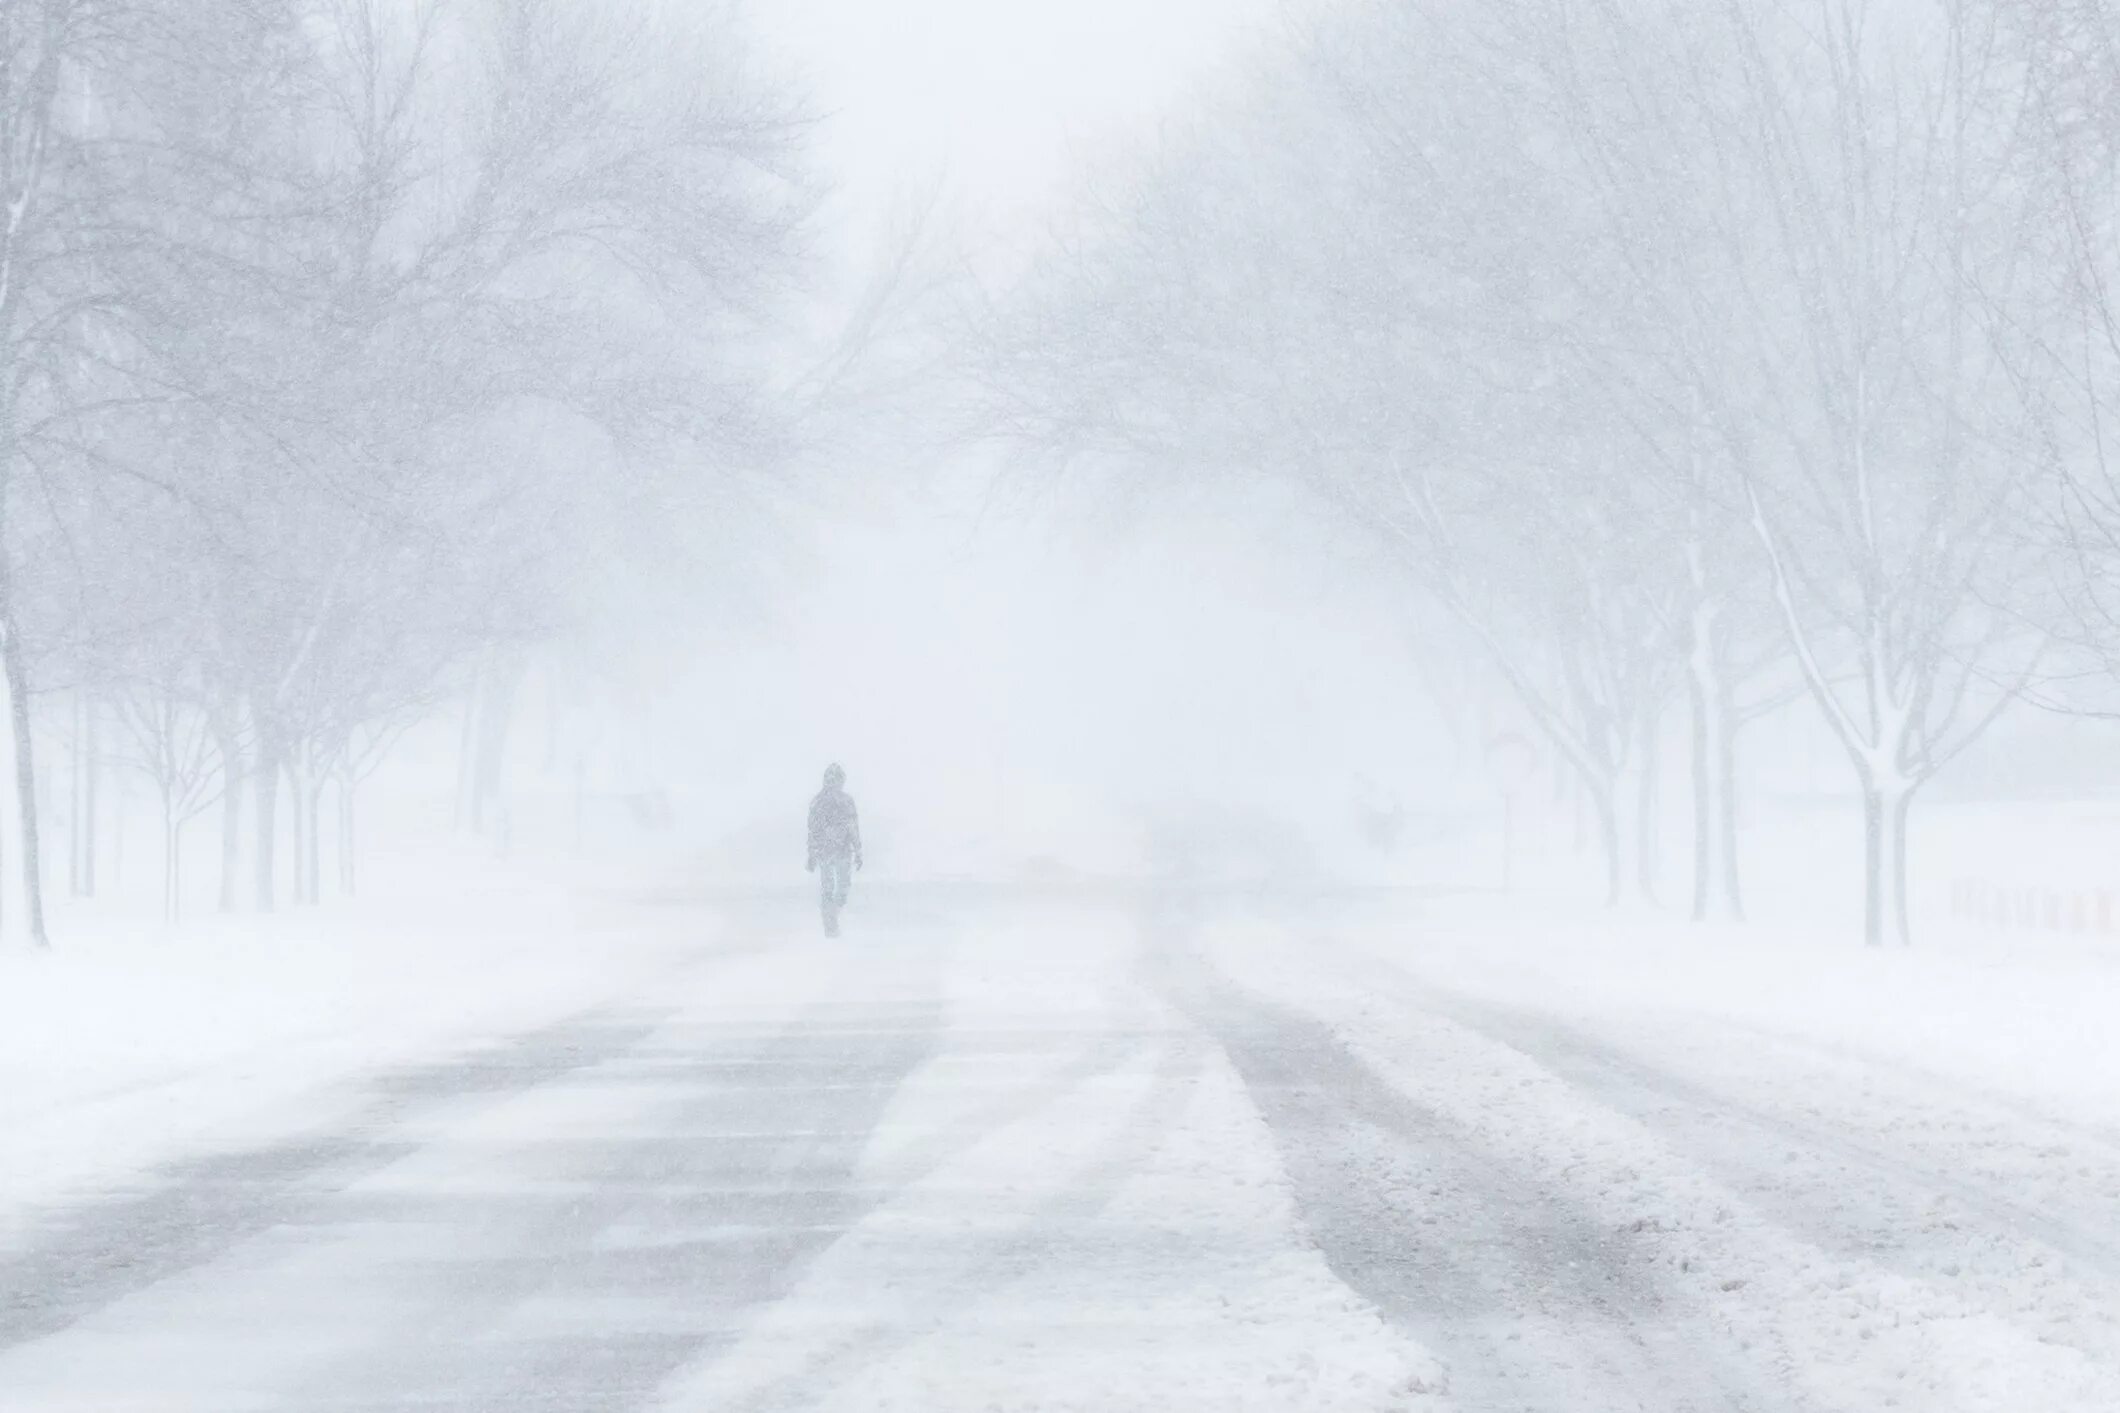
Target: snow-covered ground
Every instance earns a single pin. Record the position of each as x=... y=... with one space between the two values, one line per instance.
x=1400 y=1151
x=132 y=1042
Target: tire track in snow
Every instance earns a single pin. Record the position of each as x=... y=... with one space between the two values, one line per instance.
x=1844 y=1189
x=1020 y=1251
x=1634 y=1086
x=455 y=1342
x=1530 y=1301
x=687 y=1232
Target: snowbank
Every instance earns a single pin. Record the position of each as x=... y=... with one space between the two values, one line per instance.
x=2026 y=1018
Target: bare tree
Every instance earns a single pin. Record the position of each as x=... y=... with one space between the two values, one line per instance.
x=495 y=322
x=1348 y=285
x=42 y=44
x=1660 y=339
x=385 y=323
x=106 y=154
x=173 y=745
x=2059 y=326
x=1882 y=453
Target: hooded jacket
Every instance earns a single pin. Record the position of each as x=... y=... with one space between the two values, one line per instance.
x=835 y=825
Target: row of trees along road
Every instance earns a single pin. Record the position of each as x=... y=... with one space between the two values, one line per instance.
x=1701 y=353
x=339 y=339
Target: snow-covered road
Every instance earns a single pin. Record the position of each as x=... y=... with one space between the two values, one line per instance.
x=990 y=1156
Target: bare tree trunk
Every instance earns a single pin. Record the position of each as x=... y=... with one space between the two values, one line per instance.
x=298 y=820
x=169 y=860
x=1884 y=833
x=496 y=716
x=77 y=803
x=581 y=771
x=1873 y=850
x=1611 y=838
x=1714 y=760
x=265 y=782
x=93 y=768
x=1579 y=817
x=3 y=549
x=346 y=837
x=1648 y=847
x=231 y=750
x=551 y=760
x=1705 y=803
x=17 y=674
x=315 y=833
x=1896 y=818
x=466 y=762
x=15 y=671
x=231 y=844
x=1715 y=724
x=1726 y=725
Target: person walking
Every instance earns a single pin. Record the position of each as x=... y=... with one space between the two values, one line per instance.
x=835 y=845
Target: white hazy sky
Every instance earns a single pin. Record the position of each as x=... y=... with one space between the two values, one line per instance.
x=1002 y=98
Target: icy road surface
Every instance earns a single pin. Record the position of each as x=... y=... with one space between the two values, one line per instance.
x=990 y=1157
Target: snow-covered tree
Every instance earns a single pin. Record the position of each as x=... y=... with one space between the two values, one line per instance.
x=1865 y=197
x=1659 y=339
x=380 y=327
